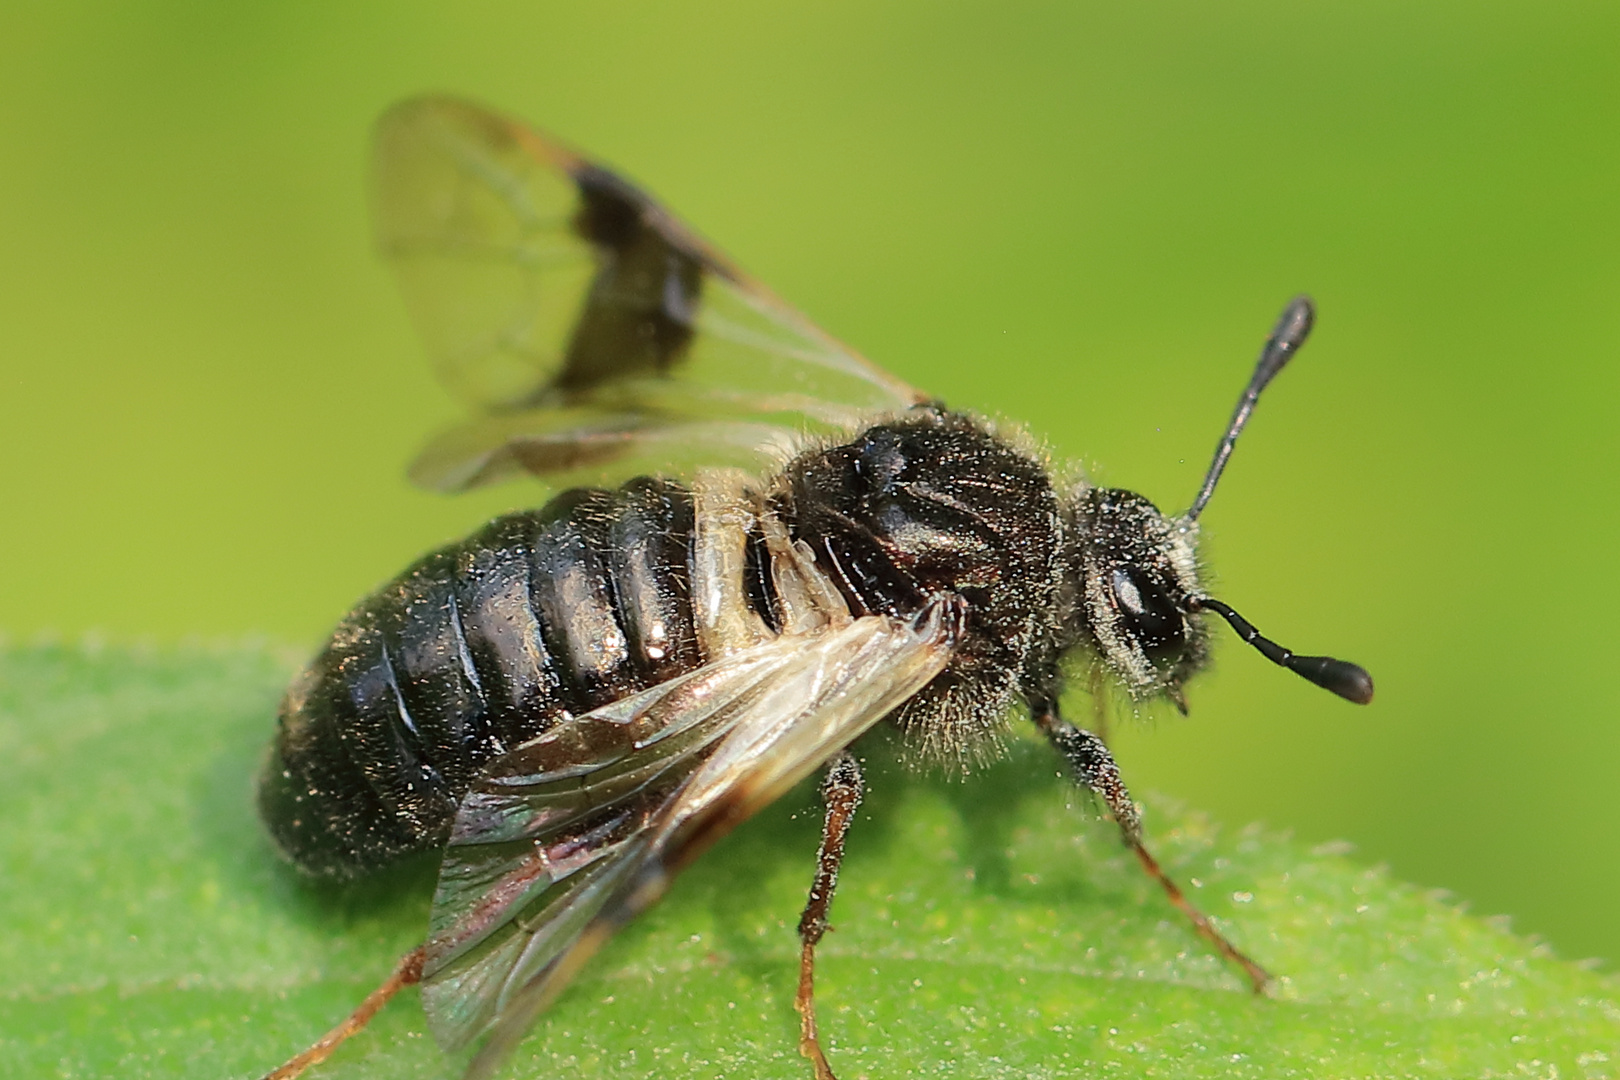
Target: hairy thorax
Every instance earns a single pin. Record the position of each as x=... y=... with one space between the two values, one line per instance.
x=936 y=502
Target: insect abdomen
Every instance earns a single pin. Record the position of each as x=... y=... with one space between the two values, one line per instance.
x=480 y=646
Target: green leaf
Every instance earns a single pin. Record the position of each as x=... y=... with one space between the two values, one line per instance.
x=986 y=928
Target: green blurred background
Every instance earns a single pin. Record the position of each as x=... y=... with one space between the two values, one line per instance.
x=1083 y=215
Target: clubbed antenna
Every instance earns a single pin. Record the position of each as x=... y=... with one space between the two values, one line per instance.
x=1283 y=343
x=1348 y=680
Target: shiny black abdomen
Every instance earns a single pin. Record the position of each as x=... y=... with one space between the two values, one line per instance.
x=476 y=648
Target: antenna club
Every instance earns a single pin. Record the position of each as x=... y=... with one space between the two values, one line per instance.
x=1295 y=324
x=1351 y=682
x=1347 y=680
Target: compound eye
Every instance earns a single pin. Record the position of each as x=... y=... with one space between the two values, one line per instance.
x=1148 y=613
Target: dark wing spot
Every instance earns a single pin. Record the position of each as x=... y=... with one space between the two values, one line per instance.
x=637 y=318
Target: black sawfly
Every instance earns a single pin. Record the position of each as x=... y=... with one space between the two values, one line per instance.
x=574 y=702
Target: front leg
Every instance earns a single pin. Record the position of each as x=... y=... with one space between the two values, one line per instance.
x=842 y=792
x=1092 y=766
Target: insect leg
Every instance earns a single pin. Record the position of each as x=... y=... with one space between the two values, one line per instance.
x=1093 y=766
x=842 y=792
x=407 y=972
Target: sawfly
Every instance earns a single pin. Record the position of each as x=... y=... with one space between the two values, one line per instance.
x=779 y=546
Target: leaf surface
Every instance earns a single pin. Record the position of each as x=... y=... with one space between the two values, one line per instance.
x=988 y=928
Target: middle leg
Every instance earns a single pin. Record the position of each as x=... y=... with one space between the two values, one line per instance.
x=842 y=792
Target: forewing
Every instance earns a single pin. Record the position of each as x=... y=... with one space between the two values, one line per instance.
x=560 y=302
x=571 y=835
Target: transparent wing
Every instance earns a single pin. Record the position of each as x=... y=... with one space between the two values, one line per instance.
x=569 y=836
x=578 y=446
x=561 y=303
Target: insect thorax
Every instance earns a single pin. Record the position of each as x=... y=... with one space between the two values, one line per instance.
x=936 y=502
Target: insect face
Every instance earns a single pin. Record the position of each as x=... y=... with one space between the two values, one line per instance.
x=1138 y=579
